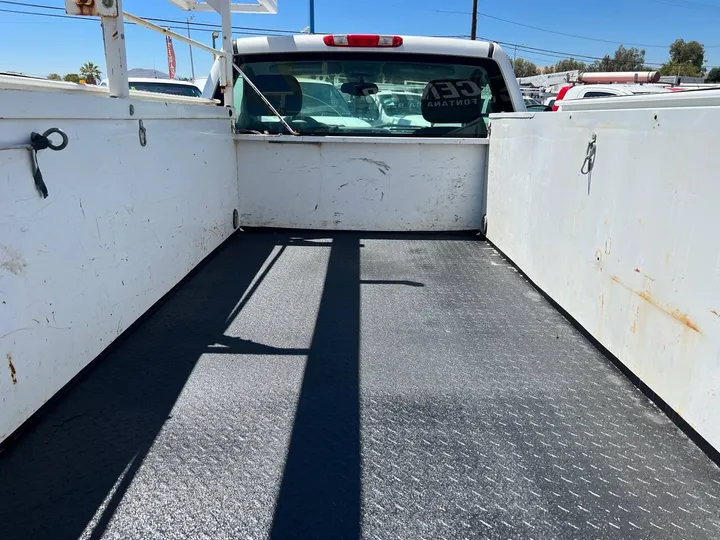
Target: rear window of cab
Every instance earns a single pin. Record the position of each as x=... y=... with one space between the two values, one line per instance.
x=366 y=93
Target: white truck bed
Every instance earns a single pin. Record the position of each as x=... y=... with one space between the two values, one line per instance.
x=348 y=385
x=357 y=384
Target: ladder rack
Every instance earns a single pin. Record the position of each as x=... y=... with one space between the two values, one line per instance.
x=112 y=18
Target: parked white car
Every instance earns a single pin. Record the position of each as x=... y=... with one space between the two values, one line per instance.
x=162 y=86
x=323 y=102
x=585 y=91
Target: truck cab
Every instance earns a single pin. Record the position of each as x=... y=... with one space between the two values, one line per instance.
x=338 y=85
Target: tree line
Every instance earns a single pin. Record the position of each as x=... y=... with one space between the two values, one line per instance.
x=89 y=71
x=686 y=58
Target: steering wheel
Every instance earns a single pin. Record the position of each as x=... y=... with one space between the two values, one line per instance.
x=305 y=118
x=312 y=124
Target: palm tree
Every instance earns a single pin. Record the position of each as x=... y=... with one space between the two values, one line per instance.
x=90 y=72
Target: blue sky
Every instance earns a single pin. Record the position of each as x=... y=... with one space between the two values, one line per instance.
x=41 y=45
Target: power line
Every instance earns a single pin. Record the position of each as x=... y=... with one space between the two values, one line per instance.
x=566 y=34
x=39 y=14
x=691 y=5
x=575 y=36
x=560 y=54
x=217 y=26
x=546 y=52
x=547 y=30
x=209 y=27
x=197 y=26
x=550 y=51
x=486 y=15
x=519 y=46
x=33 y=5
x=679 y=3
x=154 y=19
x=72 y=17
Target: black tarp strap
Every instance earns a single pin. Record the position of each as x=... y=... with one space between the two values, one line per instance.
x=40 y=142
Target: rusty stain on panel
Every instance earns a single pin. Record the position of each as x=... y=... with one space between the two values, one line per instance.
x=674 y=313
x=86 y=7
x=636 y=316
x=714 y=312
x=105 y=8
x=637 y=270
x=13 y=373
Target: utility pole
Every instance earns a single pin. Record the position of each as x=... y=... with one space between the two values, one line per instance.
x=473 y=30
x=215 y=35
x=312 y=16
x=192 y=63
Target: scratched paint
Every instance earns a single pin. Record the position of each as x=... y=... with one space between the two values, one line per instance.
x=80 y=267
x=417 y=186
x=11 y=260
x=11 y=367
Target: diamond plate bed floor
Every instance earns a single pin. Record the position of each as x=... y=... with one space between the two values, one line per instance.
x=356 y=386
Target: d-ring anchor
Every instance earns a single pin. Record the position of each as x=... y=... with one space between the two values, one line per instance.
x=589 y=161
x=63 y=136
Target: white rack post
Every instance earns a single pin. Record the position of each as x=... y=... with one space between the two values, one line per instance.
x=226 y=74
x=115 y=53
x=113 y=28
